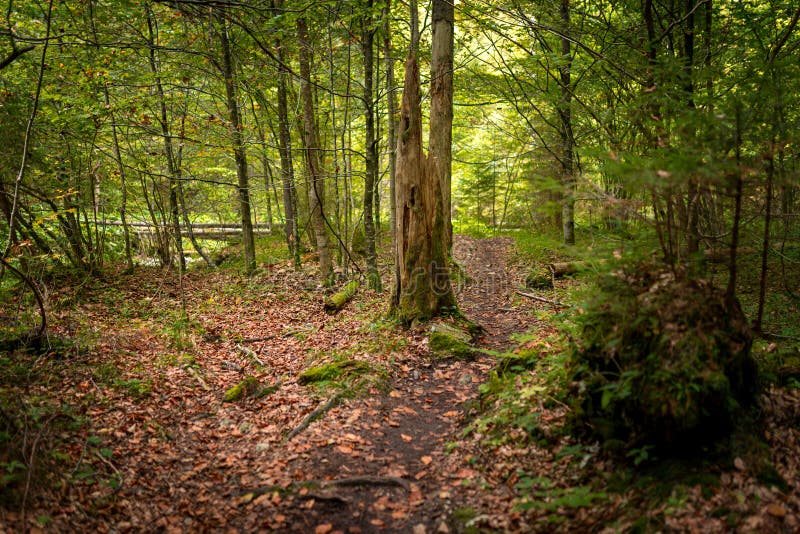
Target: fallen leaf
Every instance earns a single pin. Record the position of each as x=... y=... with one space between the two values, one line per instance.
x=776 y=510
x=406 y=437
x=426 y=460
x=345 y=449
x=323 y=528
x=739 y=464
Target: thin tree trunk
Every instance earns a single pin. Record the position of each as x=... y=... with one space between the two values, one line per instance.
x=368 y=34
x=730 y=293
x=762 y=293
x=693 y=190
x=239 y=153
x=168 y=149
x=287 y=168
x=123 y=208
x=313 y=160
x=391 y=105
x=567 y=139
x=441 y=114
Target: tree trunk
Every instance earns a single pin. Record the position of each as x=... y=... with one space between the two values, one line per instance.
x=313 y=160
x=287 y=168
x=123 y=208
x=441 y=116
x=567 y=139
x=371 y=153
x=168 y=149
x=239 y=153
x=422 y=285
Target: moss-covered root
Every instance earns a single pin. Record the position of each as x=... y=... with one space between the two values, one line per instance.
x=336 y=302
x=332 y=371
x=448 y=340
x=245 y=388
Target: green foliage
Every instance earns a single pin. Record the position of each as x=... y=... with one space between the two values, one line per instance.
x=136 y=387
x=541 y=493
x=661 y=361
x=531 y=376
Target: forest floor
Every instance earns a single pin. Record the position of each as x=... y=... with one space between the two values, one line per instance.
x=128 y=429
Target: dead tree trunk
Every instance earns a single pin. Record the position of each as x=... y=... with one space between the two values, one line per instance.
x=422 y=286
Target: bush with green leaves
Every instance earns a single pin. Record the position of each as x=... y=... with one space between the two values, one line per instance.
x=663 y=361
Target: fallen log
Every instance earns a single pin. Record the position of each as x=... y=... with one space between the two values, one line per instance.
x=336 y=302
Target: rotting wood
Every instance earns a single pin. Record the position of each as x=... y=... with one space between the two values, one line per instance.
x=249 y=353
x=542 y=299
x=313 y=416
x=336 y=302
x=197 y=376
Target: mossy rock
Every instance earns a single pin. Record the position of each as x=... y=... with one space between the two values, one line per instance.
x=540 y=277
x=449 y=340
x=332 y=371
x=245 y=388
x=663 y=361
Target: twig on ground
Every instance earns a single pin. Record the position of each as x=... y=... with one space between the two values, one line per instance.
x=366 y=480
x=541 y=299
x=196 y=374
x=258 y=339
x=249 y=353
x=313 y=416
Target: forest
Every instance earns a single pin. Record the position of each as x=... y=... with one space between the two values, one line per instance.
x=371 y=266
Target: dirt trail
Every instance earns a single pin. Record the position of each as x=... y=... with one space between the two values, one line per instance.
x=161 y=451
x=370 y=442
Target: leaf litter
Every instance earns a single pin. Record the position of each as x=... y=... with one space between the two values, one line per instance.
x=157 y=449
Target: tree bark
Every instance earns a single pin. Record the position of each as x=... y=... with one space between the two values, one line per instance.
x=371 y=153
x=239 y=152
x=285 y=151
x=391 y=104
x=168 y=149
x=440 y=142
x=567 y=138
x=422 y=283
x=313 y=160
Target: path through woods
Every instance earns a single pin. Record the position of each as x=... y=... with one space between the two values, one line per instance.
x=149 y=443
x=384 y=455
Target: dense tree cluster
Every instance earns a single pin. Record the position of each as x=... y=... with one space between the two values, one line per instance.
x=127 y=124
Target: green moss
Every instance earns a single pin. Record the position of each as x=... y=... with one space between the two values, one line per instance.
x=332 y=371
x=338 y=300
x=540 y=277
x=245 y=388
x=462 y=520
x=663 y=361
x=450 y=340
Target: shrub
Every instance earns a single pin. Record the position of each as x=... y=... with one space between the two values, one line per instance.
x=663 y=360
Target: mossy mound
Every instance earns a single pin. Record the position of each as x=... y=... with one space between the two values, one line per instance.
x=245 y=388
x=332 y=371
x=540 y=277
x=663 y=361
x=452 y=340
